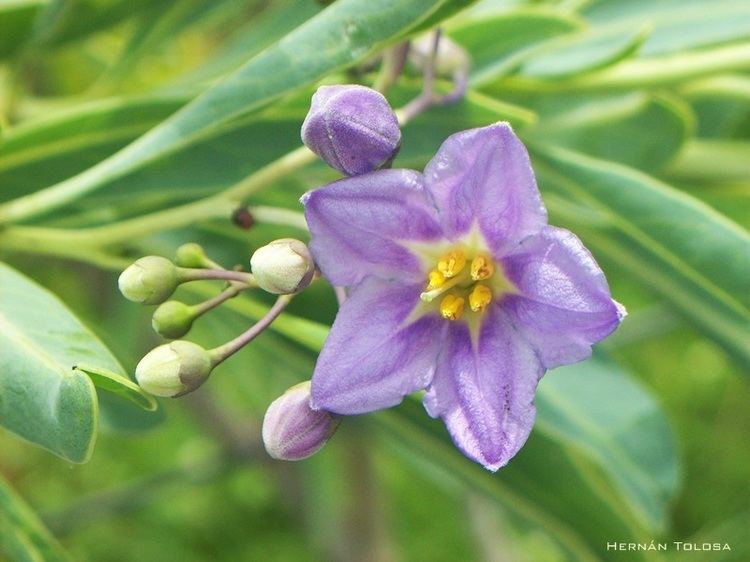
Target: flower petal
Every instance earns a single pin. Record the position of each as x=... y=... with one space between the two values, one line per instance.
x=484 y=176
x=372 y=357
x=565 y=305
x=358 y=222
x=485 y=392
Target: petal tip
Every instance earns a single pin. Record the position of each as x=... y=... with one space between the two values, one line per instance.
x=621 y=311
x=306 y=197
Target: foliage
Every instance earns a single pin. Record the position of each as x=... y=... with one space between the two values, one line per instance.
x=129 y=128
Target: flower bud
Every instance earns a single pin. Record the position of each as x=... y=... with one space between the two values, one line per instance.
x=174 y=369
x=150 y=280
x=283 y=267
x=293 y=431
x=191 y=255
x=173 y=319
x=352 y=128
x=449 y=58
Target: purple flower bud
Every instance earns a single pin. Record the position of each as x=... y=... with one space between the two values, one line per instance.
x=352 y=128
x=292 y=430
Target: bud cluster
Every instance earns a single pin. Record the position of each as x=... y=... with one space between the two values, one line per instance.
x=283 y=267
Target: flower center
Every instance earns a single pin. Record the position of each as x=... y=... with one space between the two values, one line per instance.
x=455 y=284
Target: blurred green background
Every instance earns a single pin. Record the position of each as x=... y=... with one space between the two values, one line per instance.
x=637 y=117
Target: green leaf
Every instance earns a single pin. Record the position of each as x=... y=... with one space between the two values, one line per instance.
x=722 y=105
x=595 y=408
x=732 y=200
x=648 y=72
x=263 y=30
x=199 y=169
x=731 y=531
x=156 y=28
x=583 y=52
x=63 y=143
x=17 y=23
x=44 y=398
x=495 y=40
x=677 y=25
x=712 y=161
x=23 y=537
x=638 y=129
x=70 y=21
x=344 y=33
x=690 y=255
x=120 y=385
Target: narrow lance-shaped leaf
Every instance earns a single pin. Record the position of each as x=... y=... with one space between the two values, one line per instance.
x=677 y=25
x=22 y=534
x=496 y=40
x=17 y=24
x=691 y=255
x=342 y=34
x=636 y=129
x=583 y=52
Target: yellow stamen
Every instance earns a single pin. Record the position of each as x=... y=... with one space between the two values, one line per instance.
x=479 y=298
x=481 y=268
x=452 y=307
x=452 y=263
x=432 y=294
x=435 y=279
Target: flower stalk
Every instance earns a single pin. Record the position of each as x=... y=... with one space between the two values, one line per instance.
x=185 y=274
x=223 y=352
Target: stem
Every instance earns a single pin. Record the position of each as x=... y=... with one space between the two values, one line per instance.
x=185 y=275
x=276 y=215
x=204 y=209
x=86 y=244
x=394 y=59
x=425 y=99
x=223 y=352
x=232 y=291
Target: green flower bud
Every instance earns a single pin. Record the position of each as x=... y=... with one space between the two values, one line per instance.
x=150 y=280
x=191 y=255
x=173 y=319
x=283 y=267
x=174 y=369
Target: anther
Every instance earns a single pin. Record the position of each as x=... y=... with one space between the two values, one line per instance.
x=435 y=279
x=481 y=268
x=452 y=263
x=452 y=307
x=479 y=298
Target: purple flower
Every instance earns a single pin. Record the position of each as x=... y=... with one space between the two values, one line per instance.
x=457 y=285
